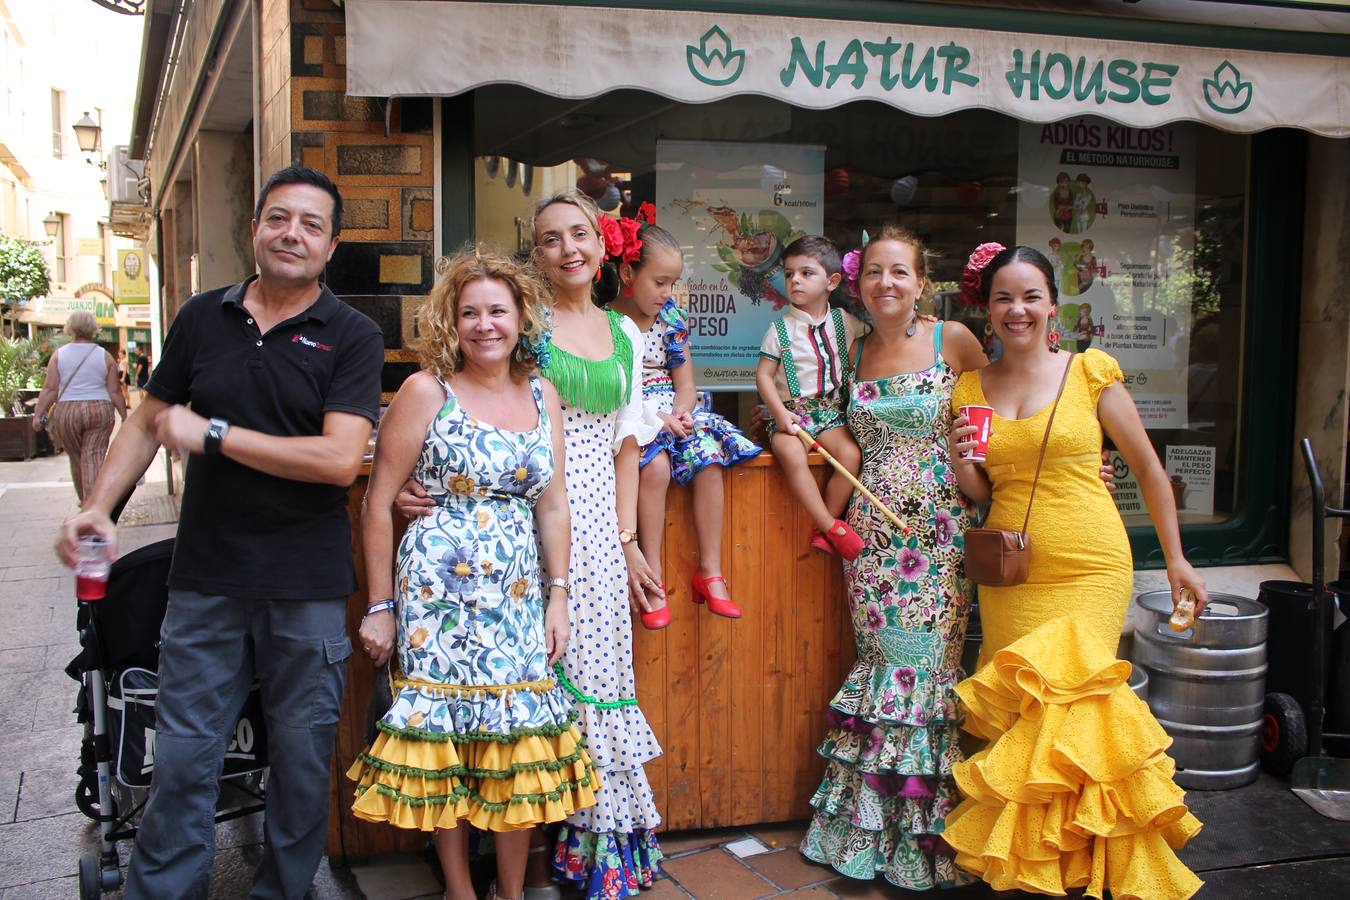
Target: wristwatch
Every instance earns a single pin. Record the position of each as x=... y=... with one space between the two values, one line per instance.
x=560 y=582
x=626 y=536
x=216 y=430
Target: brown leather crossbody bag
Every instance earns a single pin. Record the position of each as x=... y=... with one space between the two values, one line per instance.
x=997 y=557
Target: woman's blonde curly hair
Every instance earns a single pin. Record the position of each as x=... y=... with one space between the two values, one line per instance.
x=438 y=346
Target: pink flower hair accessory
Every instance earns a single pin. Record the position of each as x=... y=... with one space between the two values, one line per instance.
x=972 y=277
x=852 y=266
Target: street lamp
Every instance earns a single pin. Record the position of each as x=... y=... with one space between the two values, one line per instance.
x=87 y=133
x=52 y=224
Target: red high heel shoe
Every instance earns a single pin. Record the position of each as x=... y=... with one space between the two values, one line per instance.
x=657 y=618
x=844 y=540
x=716 y=605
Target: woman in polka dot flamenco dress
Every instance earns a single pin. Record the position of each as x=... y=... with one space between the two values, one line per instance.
x=594 y=359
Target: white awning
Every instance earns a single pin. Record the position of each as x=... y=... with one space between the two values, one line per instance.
x=442 y=48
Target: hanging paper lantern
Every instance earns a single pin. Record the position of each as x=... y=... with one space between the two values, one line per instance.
x=592 y=185
x=968 y=192
x=902 y=190
x=836 y=182
x=610 y=199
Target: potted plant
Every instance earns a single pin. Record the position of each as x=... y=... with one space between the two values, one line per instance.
x=20 y=368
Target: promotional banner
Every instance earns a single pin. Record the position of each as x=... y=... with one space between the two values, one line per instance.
x=697 y=57
x=734 y=208
x=1113 y=208
x=130 y=282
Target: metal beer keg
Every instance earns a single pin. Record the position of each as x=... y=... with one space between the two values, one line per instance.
x=1206 y=686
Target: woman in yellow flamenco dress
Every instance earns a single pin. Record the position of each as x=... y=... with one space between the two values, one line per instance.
x=1074 y=789
x=479 y=732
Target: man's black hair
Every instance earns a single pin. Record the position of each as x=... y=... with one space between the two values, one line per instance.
x=302 y=175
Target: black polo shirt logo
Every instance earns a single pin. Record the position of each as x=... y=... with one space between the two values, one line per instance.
x=301 y=339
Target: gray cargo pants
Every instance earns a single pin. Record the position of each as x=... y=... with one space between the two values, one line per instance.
x=212 y=648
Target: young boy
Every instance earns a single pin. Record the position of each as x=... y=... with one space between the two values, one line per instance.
x=802 y=371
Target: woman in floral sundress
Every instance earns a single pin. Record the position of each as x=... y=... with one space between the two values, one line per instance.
x=479 y=732
x=893 y=737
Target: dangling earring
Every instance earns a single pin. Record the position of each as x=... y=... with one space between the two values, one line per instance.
x=913 y=325
x=522 y=352
x=627 y=292
x=1052 y=335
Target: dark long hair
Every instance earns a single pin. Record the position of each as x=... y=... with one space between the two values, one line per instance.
x=1019 y=254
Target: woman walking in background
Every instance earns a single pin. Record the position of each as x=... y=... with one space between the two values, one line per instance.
x=79 y=399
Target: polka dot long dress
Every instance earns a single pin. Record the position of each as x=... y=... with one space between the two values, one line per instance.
x=607 y=851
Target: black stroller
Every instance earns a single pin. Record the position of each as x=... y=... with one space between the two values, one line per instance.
x=118 y=670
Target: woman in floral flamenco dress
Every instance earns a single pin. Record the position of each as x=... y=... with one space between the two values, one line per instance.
x=881 y=807
x=479 y=732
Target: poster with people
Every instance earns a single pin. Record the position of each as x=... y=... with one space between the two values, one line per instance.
x=1113 y=208
x=734 y=207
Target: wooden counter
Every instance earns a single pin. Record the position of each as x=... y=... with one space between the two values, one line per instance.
x=739 y=707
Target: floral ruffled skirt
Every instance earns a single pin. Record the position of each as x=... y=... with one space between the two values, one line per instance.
x=1074 y=790
x=714 y=442
x=448 y=753
x=882 y=805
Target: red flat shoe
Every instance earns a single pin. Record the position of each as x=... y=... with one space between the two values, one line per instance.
x=716 y=605
x=845 y=540
x=657 y=618
x=818 y=542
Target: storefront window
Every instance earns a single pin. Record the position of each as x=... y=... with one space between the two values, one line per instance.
x=1149 y=244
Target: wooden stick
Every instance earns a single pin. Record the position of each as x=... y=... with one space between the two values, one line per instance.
x=812 y=444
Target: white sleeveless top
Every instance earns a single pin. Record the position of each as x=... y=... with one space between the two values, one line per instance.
x=91 y=381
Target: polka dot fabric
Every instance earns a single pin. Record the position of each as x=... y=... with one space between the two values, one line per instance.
x=599 y=664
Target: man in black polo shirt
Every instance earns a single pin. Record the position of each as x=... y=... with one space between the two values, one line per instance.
x=283 y=380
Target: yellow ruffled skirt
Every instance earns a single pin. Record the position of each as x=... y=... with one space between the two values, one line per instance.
x=1074 y=789
x=423 y=773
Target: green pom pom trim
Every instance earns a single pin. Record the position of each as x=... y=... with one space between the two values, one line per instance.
x=476 y=798
x=587 y=698
x=462 y=771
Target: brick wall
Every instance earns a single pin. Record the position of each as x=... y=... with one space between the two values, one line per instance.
x=379 y=152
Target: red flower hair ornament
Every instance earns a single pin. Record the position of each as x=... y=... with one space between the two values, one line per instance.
x=972 y=277
x=622 y=243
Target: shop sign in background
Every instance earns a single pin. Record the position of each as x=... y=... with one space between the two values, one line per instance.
x=697 y=57
x=734 y=207
x=131 y=284
x=1113 y=208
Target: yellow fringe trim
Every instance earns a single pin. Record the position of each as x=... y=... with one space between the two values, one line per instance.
x=474 y=691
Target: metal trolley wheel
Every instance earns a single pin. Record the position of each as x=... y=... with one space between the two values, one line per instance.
x=1284 y=734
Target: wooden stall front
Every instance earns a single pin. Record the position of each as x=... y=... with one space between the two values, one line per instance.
x=738 y=706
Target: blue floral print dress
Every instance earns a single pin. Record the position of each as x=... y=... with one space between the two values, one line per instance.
x=892 y=743
x=479 y=729
x=715 y=441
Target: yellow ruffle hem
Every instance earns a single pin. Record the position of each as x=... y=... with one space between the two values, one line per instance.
x=1074 y=790
x=495 y=785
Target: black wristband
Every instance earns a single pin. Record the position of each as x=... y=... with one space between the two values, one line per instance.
x=215 y=434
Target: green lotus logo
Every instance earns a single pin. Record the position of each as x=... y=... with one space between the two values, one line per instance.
x=1226 y=92
x=714 y=61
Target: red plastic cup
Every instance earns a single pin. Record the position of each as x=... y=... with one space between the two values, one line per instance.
x=91 y=569
x=982 y=417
